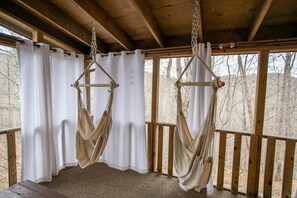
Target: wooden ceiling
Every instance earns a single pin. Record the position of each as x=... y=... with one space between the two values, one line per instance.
x=147 y=24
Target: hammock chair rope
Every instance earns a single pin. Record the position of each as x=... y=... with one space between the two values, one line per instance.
x=91 y=140
x=193 y=155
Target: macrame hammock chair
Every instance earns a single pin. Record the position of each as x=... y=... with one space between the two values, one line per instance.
x=90 y=139
x=193 y=156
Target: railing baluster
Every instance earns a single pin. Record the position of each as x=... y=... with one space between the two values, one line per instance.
x=236 y=163
x=288 y=168
x=221 y=163
x=269 y=161
x=150 y=147
x=269 y=164
x=252 y=169
x=170 y=151
x=11 y=153
x=160 y=148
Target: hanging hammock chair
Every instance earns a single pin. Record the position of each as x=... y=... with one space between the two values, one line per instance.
x=193 y=155
x=90 y=139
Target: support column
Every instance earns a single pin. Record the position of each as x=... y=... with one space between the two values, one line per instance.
x=154 y=113
x=256 y=138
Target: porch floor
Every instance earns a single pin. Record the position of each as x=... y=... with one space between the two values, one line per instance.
x=99 y=180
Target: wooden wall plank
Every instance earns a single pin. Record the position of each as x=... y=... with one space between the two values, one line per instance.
x=221 y=163
x=269 y=164
x=288 y=168
x=160 y=148
x=11 y=154
x=256 y=139
x=170 y=151
x=236 y=163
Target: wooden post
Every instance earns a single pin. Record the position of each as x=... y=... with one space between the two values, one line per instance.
x=11 y=154
x=236 y=163
x=170 y=151
x=256 y=138
x=160 y=148
x=37 y=36
x=269 y=164
x=221 y=163
x=154 y=110
x=288 y=168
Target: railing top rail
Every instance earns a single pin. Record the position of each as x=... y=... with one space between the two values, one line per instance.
x=233 y=132
x=5 y=131
x=280 y=138
x=236 y=132
x=164 y=124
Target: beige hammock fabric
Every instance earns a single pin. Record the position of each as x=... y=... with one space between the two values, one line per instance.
x=91 y=140
x=193 y=156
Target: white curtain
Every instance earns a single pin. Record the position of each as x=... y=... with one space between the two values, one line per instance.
x=200 y=96
x=126 y=147
x=65 y=68
x=48 y=110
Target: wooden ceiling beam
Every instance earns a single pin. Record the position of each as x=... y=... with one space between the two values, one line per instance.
x=106 y=22
x=51 y=13
x=14 y=10
x=27 y=31
x=16 y=26
x=258 y=18
x=150 y=21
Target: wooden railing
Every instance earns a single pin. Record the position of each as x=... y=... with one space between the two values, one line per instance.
x=11 y=154
x=156 y=133
x=155 y=146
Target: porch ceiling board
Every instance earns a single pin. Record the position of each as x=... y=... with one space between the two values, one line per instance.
x=105 y=20
x=54 y=15
x=150 y=21
x=148 y=24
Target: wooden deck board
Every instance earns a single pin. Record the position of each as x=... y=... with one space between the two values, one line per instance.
x=29 y=189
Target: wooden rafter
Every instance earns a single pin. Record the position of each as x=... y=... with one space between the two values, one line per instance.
x=150 y=21
x=105 y=20
x=14 y=10
x=258 y=18
x=54 y=15
x=15 y=25
x=27 y=31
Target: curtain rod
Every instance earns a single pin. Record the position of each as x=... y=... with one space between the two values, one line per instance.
x=22 y=41
x=221 y=46
x=230 y=45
